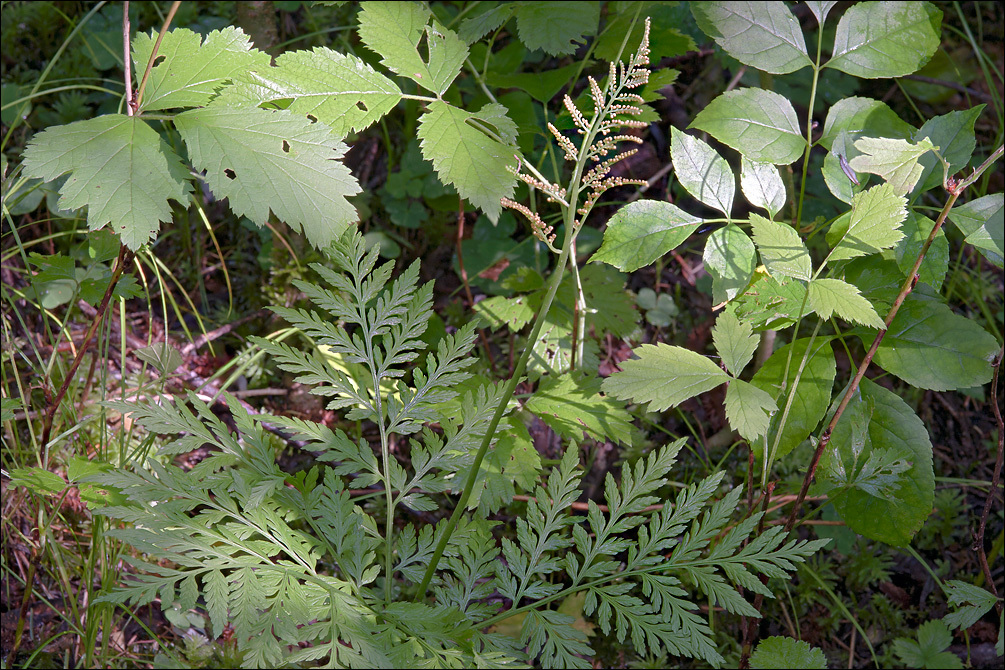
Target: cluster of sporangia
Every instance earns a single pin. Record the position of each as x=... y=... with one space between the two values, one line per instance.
x=607 y=116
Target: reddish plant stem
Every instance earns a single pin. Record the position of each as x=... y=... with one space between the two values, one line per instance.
x=125 y=256
x=912 y=279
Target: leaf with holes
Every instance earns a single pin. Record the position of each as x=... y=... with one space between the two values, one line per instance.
x=188 y=73
x=274 y=160
x=118 y=167
x=464 y=154
x=337 y=89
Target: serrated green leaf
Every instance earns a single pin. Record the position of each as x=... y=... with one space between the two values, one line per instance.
x=730 y=258
x=337 y=89
x=896 y=161
x=834 y=296
x=273 y=160
x=748 y=409
x=556 y=27
x=395 y=30
x=119 y=168
x=885 y=39
x=859 y=117
x=782 y=250
x=643 y=231
x=983 y=222
x=890 y=425
x=515 y=313
x=473 y=28
x=929 y=651
x=764 y=35
x=761 y=125
x=468 y=158
x=784 y=652
x=37 y=480
x=972 y=602
x=931 y=347
x=663 y=376
x=873 y=225
x=701 y=171
x=734 y=341
x=810 y=397
x=572 y=405
x=762 y=185
x=190 y=70
x=953 y=133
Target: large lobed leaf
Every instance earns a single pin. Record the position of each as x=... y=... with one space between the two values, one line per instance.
x=274 y=160
x=188 y=72
x=465 y=155
x=119 y=168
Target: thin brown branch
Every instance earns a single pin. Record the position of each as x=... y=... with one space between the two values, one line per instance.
x=995 y=481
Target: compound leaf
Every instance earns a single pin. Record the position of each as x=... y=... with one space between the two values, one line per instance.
x=886 y=39
x=873 y=225
x=764 y=35
x=643 y=231
x=466 y=156
x=337 y=89
x=734 y=341
x=274 y=160
x=187 y=73
x=761 y=125
x=748 y=409
x=663 y=376
x=118 y=166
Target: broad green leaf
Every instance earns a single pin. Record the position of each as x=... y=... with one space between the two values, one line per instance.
x=665 y=37
x=572 y=405
x=554 y=27
x=885 y=39
x=930 y=650
x=734 y=341
x=834 y=296
x=37 y=480
x=762 y=185
x=273 y=160
x=764 y=35
x=890 y=425
x=896 y=161
x=860 y=117
x=7 y=407
x=761 y=125
x=983 y=222
x=810 y=397
x=748 y=409
x=771 y=302
x=663 y=376
x=873 y=224
x=119 y=168
x=188 y=73
x=730 y=259
x=395 y=30
x=784 y=652
x=953 y=133
x=473 y=28
x=934 y=266
x=542 y=86
x=837 y=179
x=782 y=250
x=931 y=347
x=468 y=158
x=643 y=231
x=821 y=8
x=162 y=356
x=337 y=89
x=701 y=171
x=514 y=313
